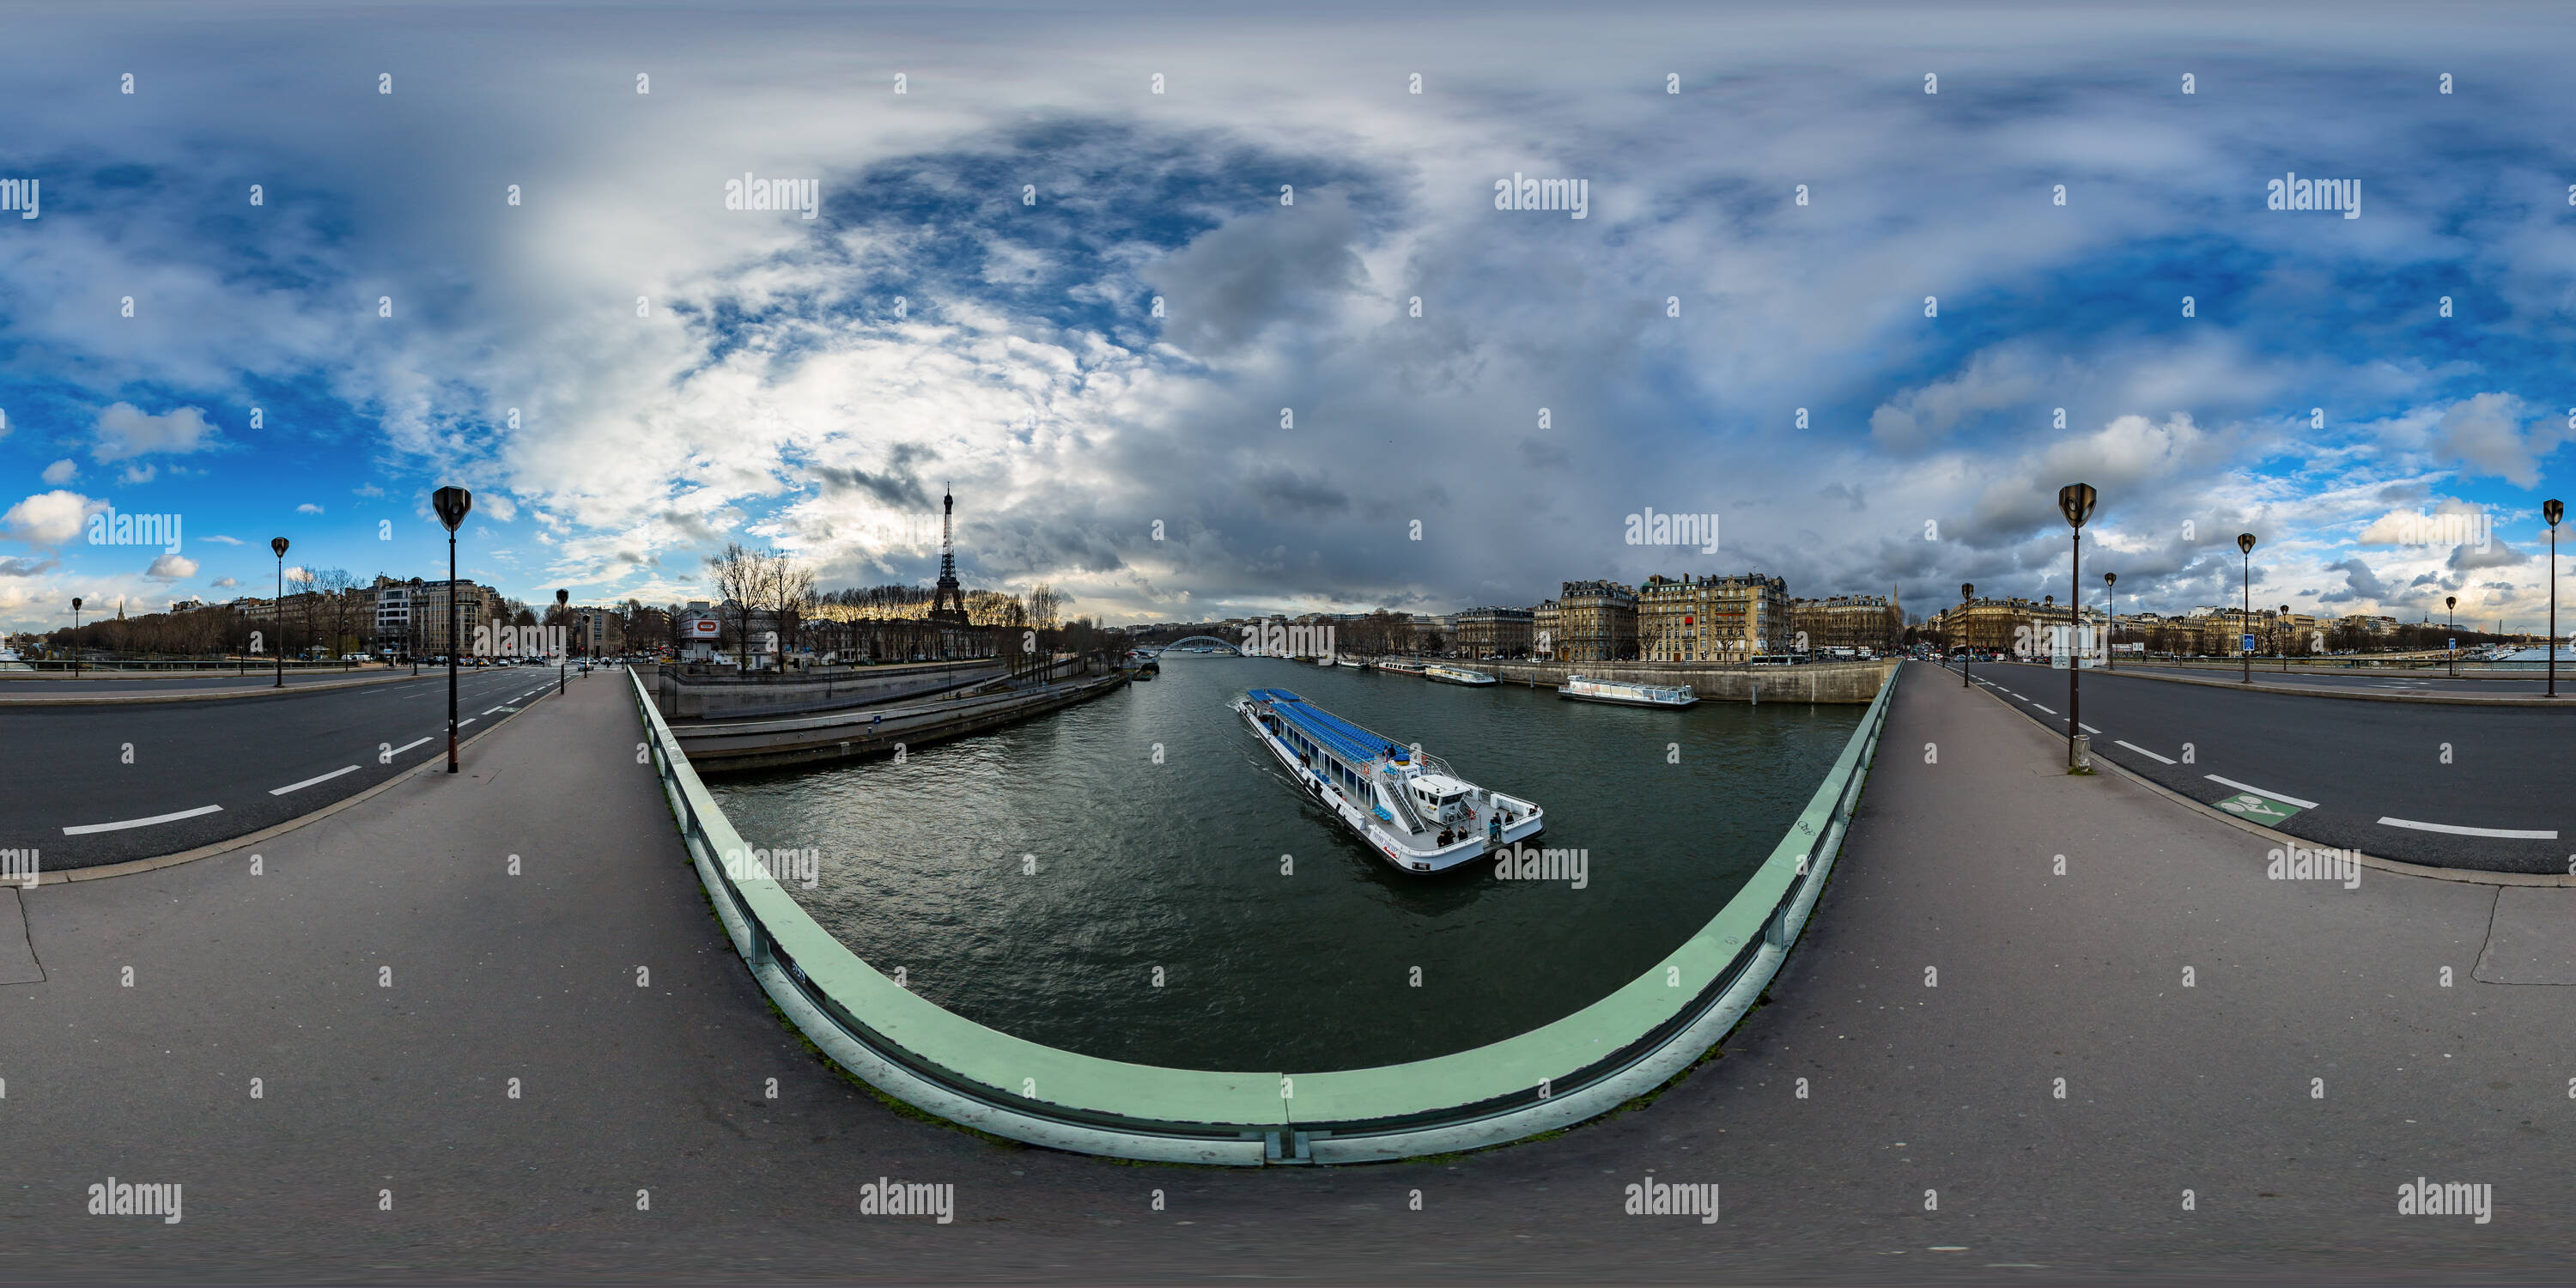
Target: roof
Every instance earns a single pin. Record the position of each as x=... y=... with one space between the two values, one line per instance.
x=1333 y=733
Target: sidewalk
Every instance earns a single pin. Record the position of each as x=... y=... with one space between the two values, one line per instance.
x=1911 y=1088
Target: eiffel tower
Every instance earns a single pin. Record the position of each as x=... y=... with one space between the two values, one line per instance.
x=949 y=603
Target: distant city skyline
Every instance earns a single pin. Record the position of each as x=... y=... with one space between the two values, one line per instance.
x=1252 y=328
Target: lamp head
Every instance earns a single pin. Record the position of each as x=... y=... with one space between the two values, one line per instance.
x=2075 y=501
x=1967 y=591
x=2552 y=511
x=2245 y=542
x=2110 y=579
x=76 y=603
x=452 y=504
x=278 y=544
x=2450 y=601
x=561 y=596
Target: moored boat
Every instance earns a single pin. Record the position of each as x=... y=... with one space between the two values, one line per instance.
x=1410 y=807
x=1399 y=666
x=1623 y=693
x=1456 y=675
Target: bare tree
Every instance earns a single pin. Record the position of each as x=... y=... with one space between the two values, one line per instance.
x=738 y=573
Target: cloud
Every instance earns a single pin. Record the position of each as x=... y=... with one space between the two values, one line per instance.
x=171 y=567
x=308 y=508
x=50 y=518
x=224 y=583
x=2360 y=584
x=27 y=567
x=2498 y=555
x=2486 y=434
x=138 y=473
x=60 y=472
x=126 y=431
x=222 y=540
x=369 y=490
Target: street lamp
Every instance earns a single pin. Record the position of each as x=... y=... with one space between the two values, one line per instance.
x=1967 y=591
x=2451 y=623
x=2075 y=501
x=452 y=504
x=2111 y=600
x=2285 y=639
x=2552 y=511
x=76 y=601
x=278 y=544
x=2245 y=619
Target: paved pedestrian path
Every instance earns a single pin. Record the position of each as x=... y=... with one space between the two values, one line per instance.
x=400 y=1083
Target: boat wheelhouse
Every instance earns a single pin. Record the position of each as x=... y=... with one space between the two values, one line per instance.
x=1410 y=807
x=1623 y=693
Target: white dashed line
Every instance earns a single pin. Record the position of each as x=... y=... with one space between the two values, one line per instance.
x=2086 y=727
x=2142 y=751
x=2249 y=787
x=317 y=778
x=409 y=745
x=2455 y=830
x=467 y=721
x=2036 y=707
x=504 y=707
x=87 y=828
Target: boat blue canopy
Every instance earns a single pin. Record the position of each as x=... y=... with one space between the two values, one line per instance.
x=1333 y=733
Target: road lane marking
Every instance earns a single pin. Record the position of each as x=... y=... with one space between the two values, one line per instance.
x=2038 y=707
x=467 y=721
x=2456 y=830
x=317 y=778
x=87 y=828
x=2086 y=727
x=504 y=707
x=409 y=745
x=2249 y=787
x=2142 y=751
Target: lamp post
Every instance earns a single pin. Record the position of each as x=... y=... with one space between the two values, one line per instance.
x=76 y=657
x=452 y=503
x=2111 y=601
x=2553 y=511
x=2285 y=639
x=563 y=660
x=2245 y=618
x=1967 y=591
x=278 y=544
x=2451 y=624
x=2075 y=501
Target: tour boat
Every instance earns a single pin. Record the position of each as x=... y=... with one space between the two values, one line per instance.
x=1353 y=664
x=1627 y=694
x=1398 y=666
x=1410 y=807
x=1456 y=675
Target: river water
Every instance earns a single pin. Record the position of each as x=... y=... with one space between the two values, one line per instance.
x=1039 y=878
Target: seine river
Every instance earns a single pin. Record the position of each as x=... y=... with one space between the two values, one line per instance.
x=1173 y=865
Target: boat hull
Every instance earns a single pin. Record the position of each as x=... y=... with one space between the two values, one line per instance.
x=1626 y=702
x=1395 y=850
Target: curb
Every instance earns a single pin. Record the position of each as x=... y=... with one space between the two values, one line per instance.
x=133 y=867
x=2465 y=876
x=122 y=699
x=2298 y=692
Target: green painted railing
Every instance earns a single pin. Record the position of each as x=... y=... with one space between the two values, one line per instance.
x=1014 y=1087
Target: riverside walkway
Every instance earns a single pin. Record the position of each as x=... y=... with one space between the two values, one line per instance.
x=664 y=1088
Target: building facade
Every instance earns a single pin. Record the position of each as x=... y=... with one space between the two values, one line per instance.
x=1873 y=622
x=1547 y=629
x=1494 y=632
x=1711 y=619
x=1597 y=622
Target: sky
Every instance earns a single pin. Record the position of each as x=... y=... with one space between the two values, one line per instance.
x=1207 y=310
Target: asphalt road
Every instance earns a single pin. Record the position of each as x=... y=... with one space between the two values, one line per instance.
x=77 y=797
x=462 y=1078
x=49 y=684
x=2470 y=683
x=2398 y=780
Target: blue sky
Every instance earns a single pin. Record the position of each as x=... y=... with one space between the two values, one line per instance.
x=974 y=304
